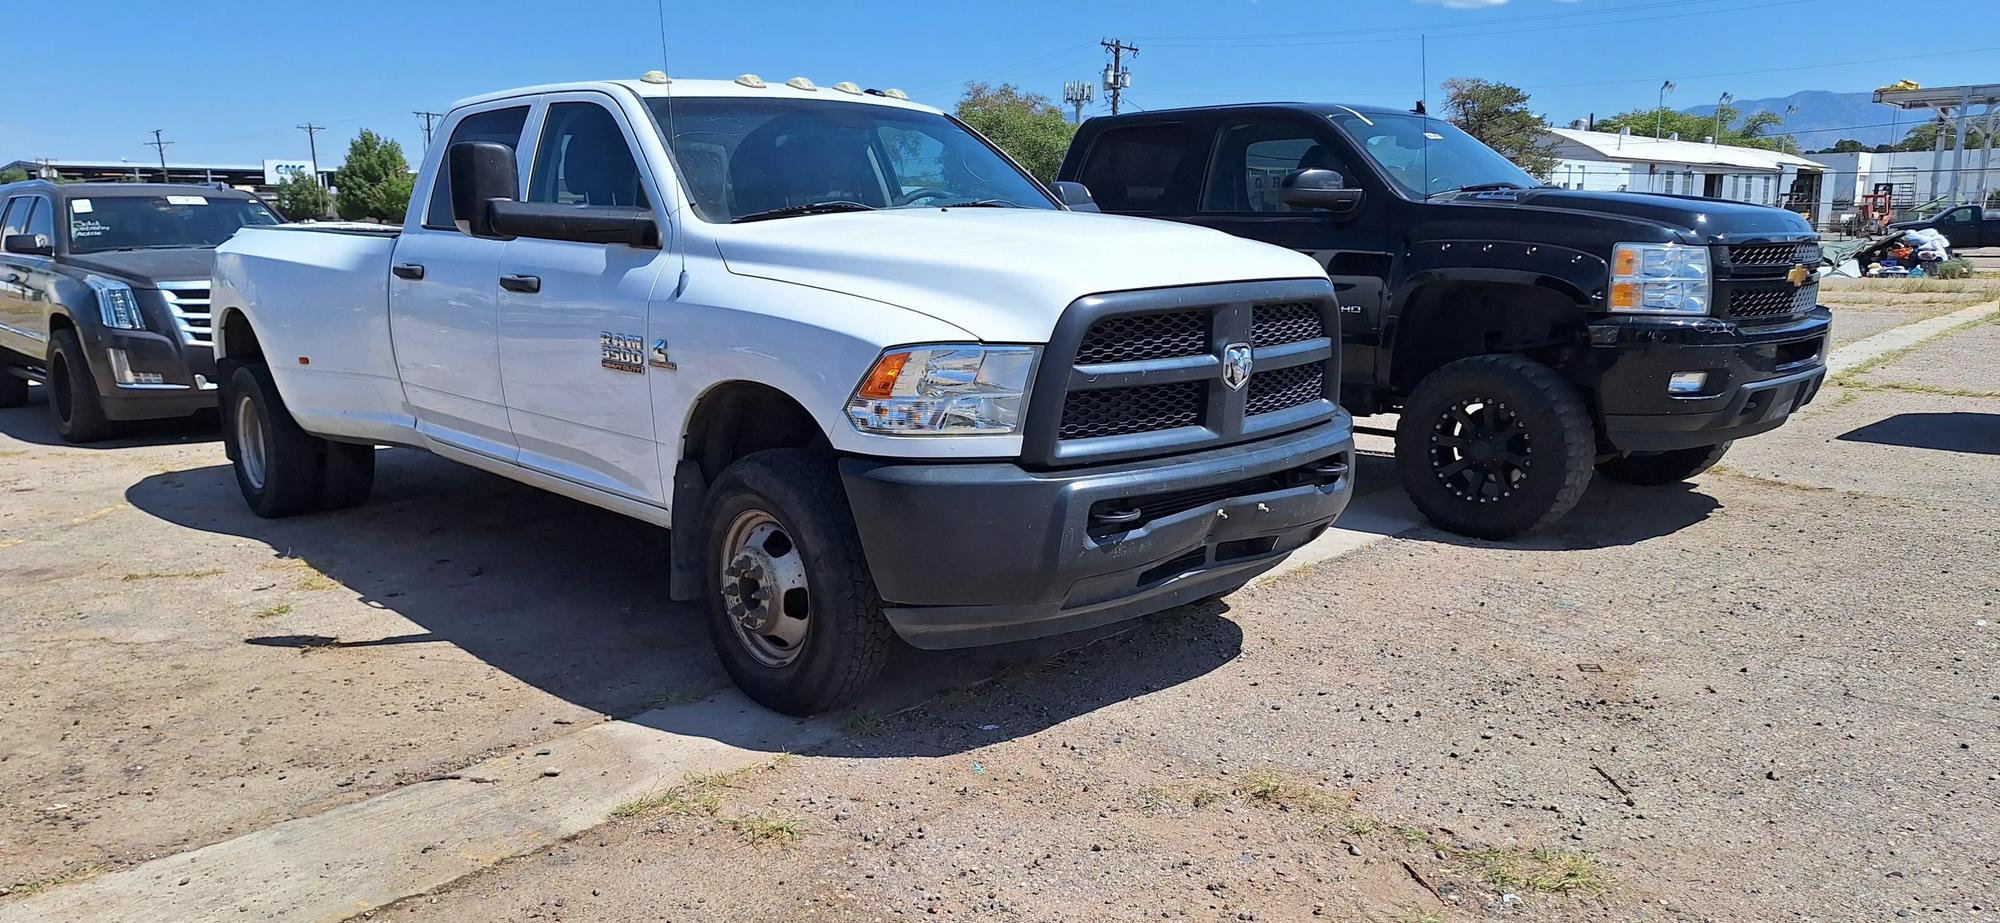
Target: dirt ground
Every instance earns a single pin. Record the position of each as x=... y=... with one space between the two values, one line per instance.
x=1773 y=694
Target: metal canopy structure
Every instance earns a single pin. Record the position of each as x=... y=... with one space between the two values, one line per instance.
x=1954 y=108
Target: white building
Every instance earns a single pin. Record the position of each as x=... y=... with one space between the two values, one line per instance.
x=1913 y=177
x=1624 y=162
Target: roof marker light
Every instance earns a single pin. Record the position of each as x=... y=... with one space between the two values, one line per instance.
x=656 y=77
x=801 y=83
x=894 y=93
x=848 y=86
x=752 y=81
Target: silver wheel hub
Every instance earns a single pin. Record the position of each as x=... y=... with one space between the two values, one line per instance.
x=764 y=588
x=250 y=441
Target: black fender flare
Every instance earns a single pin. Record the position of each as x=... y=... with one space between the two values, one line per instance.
x=1575 y=275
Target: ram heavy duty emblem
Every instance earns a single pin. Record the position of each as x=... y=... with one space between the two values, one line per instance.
x=1236 y=365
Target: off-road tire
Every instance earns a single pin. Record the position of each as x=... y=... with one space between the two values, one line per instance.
x=1654 y=468
x=1540 y=412
x=291 y=457
x=13 y=388
x=73 y=401
x=847 y=639
x=347 y=474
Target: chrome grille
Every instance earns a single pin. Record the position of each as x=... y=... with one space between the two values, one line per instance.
x=1774 y=254
x=188 y=302
x=1772 y=300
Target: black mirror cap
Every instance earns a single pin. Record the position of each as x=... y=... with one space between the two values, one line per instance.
x=1075 y=196
x=1318 y=188
x=29 y=245
x=600 y=224
x=481 y=171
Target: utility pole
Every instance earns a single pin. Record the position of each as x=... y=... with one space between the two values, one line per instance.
x=312 y=145
x=1660 y=121
x=430 y=118
x=1116 y=78
x=1725 y=100
x=1078 y=94
x=161 y=146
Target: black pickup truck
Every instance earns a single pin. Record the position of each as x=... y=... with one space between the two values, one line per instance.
x=1527 y=334
x=104 y=297
x=1967 y=226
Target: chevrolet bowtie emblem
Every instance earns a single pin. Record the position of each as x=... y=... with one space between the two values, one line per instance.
x=1798 y=275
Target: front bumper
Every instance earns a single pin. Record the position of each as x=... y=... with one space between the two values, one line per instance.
x=187 y=373
x=986 y=553
x=1757 y=376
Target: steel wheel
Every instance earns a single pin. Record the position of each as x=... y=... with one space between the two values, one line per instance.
x=764 y=588
x=250 y=448
x=1480 y=450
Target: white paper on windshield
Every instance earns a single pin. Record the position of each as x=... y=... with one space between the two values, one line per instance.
x=1434 y=136
x=79 y=206
x=186 y=200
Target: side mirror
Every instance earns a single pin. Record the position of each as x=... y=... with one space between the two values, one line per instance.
x=1075 y=195
x=481 y=171
x=1319 y=189
x=29 y=245
x=587 y=224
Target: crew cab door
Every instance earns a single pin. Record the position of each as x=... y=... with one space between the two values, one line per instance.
x=444 y=304
x=573 y=316
x=25 y=278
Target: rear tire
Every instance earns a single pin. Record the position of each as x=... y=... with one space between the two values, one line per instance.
x=13 y=389
x=347 y=475
x=73 y=392
x=277 y=464
x=792 y=607
x=1495 y=446
x=1654 y=468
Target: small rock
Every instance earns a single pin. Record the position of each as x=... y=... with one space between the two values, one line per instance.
x=551 y=772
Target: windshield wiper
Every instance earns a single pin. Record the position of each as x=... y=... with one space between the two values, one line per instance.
x=981 y=203
x=814 y=208
x=1477 y=187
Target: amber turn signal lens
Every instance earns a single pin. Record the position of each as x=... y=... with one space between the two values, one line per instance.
x=1625 y=295
x=881 y=381
x=1626 y=263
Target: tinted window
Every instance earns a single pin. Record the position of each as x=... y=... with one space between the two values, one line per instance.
x=16 y=218
x=1424 y=156
x=1958 y=215
x=500 y=125
x=1142 y=169
x=41 y=220
x=189 y=220
x=1253 y=158
x=583 y=160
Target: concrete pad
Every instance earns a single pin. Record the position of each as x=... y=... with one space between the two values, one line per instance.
x=1967 y=360
x=1902 y=337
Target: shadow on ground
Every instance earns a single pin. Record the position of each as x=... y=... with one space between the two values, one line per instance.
x=573 y=600
x=31 y=423
x=1957 y=431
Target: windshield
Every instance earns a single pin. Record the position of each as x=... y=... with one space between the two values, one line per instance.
x=159 y=222
x=1426 y=156
x=748 y=157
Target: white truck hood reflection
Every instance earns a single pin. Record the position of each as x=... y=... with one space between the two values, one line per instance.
x=1003 y=275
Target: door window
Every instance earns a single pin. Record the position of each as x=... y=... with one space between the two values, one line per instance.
x=1252 y=160
x=1144 y=169
x=41 y=220
x=16 y=219
x=583 y=159
x=498 y=125
x=1958 y=216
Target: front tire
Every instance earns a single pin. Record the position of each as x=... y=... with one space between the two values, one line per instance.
x=792 y=607
x=1654 y=468
x=277 y=463
x=73 y=392
x=1495 y=446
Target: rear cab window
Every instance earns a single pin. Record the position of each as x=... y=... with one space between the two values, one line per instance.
x=498 y=125
x=1144 y=169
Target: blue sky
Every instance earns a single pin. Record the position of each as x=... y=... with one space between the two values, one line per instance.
x=227 y=81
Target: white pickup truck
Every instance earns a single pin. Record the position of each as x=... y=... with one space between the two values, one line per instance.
x=876 y=379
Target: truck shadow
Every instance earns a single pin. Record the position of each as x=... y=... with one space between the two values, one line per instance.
x=31 y=423
x=573 y=600
x=1955 y=431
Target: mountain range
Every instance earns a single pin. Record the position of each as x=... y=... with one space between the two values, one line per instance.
x=1824 y=118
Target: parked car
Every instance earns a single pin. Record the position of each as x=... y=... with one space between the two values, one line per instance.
x=104 y=297
x=1967 y=226
x=1527 y=334
x=876 y=379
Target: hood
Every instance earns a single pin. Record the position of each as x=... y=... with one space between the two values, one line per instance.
x=1711 y=221
x=147 y=268
x=1003 y=275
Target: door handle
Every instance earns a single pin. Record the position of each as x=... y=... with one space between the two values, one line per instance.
x=518 y=283
x=410 y=271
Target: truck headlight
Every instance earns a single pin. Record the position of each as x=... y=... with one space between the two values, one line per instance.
x=948 y=390
x=1659 y=279
x=116 y=303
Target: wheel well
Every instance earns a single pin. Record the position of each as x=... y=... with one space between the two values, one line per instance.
x=238 y=337
x=735 y=419
x=1447 y=321
x=61 y=322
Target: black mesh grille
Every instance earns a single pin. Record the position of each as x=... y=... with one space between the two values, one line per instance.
x=1287 y=387
x=1119 y=411
x=1139 y=337
x=1772 y=300
x=1278 y=324
x=1773 y=254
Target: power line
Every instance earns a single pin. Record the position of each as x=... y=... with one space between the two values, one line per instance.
x=1388 y=37
x=161 y=146
x=429 y=118
x=312 y=144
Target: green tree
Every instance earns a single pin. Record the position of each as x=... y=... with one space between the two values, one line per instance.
x=1846 y=146
x=301 y=198
x=1498 y=115
x=1756 y=131
x=13 y=175
x=1027 y=126
x=1924 y=138
x=375 y=181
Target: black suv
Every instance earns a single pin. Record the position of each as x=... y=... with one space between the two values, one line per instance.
x=1527 y=334
x=104 y=297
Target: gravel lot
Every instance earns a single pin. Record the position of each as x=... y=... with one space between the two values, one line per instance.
x=1772 y=694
